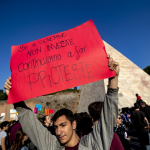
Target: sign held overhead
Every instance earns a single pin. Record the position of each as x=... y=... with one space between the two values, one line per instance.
x=58 y=62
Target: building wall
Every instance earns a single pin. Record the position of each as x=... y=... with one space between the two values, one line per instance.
x=30 y=103
x=60 y=100
x=90 y=93
x=132 y=79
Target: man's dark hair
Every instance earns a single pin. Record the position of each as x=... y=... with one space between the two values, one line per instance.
x=4 y=124
x=66 y=112
x=136 y=95
x=95 y=110
x=136 y=105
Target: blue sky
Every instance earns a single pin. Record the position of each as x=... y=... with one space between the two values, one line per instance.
x=124 y=24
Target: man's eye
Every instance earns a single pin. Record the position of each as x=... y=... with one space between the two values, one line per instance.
x=63 y=125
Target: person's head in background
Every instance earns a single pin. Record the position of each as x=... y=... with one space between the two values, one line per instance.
x=119 y=120
x=4 y=126
x=84 y=121
x=137 y=106
x=14 y=122
x=138 y=97
x=46 y=120
x=20 y=139
x=11 y=123
x=95 y=110
x=51 y=121
x=143 y=104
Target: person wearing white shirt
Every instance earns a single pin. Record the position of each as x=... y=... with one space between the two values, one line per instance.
x=3 y=134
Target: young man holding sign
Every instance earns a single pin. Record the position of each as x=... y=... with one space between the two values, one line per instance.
x=64 y=124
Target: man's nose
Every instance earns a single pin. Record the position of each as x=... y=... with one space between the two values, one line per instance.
x=59 y=131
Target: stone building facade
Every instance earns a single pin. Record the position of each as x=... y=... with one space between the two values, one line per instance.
x=132 y=79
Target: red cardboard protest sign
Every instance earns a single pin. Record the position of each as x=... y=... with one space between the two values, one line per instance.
x=57 y=62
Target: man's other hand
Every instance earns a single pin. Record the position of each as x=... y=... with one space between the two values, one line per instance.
x=113 y=65
x=7 y=85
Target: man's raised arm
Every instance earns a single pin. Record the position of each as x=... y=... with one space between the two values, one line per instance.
x=102 y=134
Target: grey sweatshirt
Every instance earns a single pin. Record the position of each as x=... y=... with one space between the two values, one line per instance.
x=99 y=139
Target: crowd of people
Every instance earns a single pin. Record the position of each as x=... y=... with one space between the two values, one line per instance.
x=12 y=136
x=102 y=129
x=140 y=117
x=137 y=119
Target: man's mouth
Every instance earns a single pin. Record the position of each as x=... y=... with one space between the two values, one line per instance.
x=61 y=137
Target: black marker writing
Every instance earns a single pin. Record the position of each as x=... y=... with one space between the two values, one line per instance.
x=60 y=73
x=59 y=44
x=33 y=52
x=22 y=48
x=81 y=50
x=88 y=71
x=51 y=38
x=34 y=77
x=69 y=54
x=38 y=62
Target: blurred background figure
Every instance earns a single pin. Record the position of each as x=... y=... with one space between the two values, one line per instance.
x=141 y=125
x=138 y=99
x=47 y=124
x=121 y=131
x=84 y=124
x=145 y=109
x=3 y=135
x=19 y=143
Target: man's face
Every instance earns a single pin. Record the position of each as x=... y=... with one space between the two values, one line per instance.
x=119 y=120
x=48 y=120
x=64 y=129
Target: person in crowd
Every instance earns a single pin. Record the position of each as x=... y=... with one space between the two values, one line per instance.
x=126 y=120
x=65 y=125
x=19 y=143
x=12 y=131
x=138 y=99
x=145 y=109
x=121 y=131
x=84 y=123
x=123 y=117
x=11 y=124
x=46 y=121
x=3 y=135
x=95 y=109
x=47 y=124
x=51 y=124
x=141 y=124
